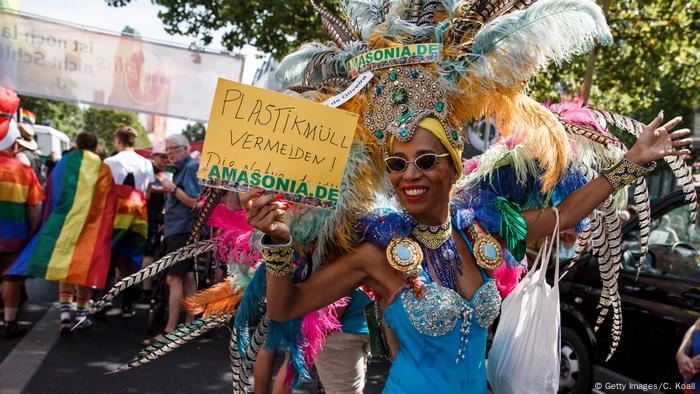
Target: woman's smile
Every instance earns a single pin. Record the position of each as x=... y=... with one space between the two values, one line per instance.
x=415 y=193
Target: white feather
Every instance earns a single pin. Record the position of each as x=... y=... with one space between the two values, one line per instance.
x=512 y=48
x=364 y=15
x=292 y=67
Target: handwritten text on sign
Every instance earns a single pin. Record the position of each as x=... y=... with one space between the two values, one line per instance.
x=260 y=138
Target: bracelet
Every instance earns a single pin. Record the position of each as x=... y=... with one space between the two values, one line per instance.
x=624 y=172
x=279 y=258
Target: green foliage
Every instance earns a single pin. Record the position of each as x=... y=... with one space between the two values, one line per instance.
x=273 y=26
x=194 y=131
x=65 y=117
x=104 y=122
x=652 y=65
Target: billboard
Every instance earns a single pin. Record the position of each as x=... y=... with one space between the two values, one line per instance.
x=54 y=60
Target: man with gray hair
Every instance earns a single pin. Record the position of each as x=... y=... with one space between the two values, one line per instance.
x=181 y=199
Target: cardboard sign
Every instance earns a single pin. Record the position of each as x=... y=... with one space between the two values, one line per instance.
x=258 y=138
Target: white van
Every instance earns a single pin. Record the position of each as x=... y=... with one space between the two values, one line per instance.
x=51 y=140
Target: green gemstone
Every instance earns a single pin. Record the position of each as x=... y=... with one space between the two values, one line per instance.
x=392 y=76
x=405 y=116
x=439 y=106
x=455 y=136
x=399 y=95
x=378 y=134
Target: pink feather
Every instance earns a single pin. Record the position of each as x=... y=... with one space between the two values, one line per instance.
x=315 y=328
x=470 y=165
x=508 y=277
x=235 y=235
x=573 y=111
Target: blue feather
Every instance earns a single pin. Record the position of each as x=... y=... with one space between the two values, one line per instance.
x=287 y=336
x=249 y=309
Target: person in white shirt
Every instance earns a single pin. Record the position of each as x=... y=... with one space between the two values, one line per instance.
x=128 y=161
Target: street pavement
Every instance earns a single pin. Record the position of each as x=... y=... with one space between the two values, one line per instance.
x=43 y=361
x=84 y=361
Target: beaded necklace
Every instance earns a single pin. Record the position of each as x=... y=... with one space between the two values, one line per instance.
x=440 y=252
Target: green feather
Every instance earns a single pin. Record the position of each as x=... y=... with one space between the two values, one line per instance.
x=513 y=227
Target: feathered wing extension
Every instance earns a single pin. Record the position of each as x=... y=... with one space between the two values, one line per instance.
x=242 y=362
x=680 y=169
x=607 y=245
x=641 y=201
x=186 y=252
x=612 y=222
x=338 y=31
x=219 y=299
x=211 y=197
x=601 y=249
x=586 y=132
x=292 y=68
x=464 y=21
x=684 y=180
x=240 y=383
x=427 y=14
x=492 y=9
x=183 y=333
x=322 y=67
x=512 y=48
x=414 y=10
x=301 y=88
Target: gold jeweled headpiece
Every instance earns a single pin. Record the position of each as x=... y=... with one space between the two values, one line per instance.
x=401 y=98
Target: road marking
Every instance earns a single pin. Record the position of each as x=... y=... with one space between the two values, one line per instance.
x=21 y=364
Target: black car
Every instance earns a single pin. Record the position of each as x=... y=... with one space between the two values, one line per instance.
x=657 y=307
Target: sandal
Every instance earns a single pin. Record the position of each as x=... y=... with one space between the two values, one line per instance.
x=152 y=340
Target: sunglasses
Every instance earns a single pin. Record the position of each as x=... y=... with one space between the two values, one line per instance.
x=424 y=162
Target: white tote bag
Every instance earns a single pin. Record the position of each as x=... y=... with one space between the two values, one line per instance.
x=525 y=353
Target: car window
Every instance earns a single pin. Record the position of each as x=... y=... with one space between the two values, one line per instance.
x=673 y=246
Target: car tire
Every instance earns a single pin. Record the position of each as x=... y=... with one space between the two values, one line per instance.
x=576 y=373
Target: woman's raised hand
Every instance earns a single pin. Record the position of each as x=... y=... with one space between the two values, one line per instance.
x=657 y=141
x=265 y=212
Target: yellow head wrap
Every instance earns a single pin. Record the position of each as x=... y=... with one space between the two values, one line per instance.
x=435 y=128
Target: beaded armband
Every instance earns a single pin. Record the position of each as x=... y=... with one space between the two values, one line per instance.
x=279 y=258
x=624 y=172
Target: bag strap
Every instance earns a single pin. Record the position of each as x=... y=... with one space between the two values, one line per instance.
x=548 y=253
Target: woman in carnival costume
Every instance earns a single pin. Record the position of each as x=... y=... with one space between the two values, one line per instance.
x=438 y=266
x=429 y=266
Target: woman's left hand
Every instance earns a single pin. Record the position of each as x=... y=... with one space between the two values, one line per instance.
x=657 y=141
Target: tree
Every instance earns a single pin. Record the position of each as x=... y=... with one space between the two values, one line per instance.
x=104 y=122
x=651 y=66
x=194 y=131
x=63 y=116
x=273 y=26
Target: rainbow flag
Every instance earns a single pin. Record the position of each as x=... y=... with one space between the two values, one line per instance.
x=73 y=243
x=130 y=229
x=19 y=189
x=27 y=116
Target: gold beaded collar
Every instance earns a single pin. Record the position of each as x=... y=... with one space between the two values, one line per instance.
x=432 y=236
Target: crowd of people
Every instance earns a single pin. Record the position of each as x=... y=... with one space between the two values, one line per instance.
x=427 y=245
x=41 y=200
